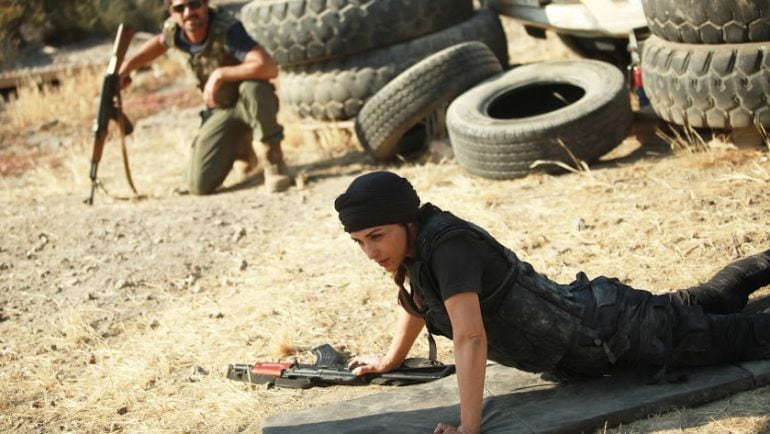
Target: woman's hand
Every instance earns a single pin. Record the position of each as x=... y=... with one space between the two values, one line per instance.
x=370 y=364
x=406 y=332
x=445 y=428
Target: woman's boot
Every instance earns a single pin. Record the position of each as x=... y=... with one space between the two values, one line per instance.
x=728 y=291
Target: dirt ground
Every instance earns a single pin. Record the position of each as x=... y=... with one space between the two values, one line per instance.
x=123 y=316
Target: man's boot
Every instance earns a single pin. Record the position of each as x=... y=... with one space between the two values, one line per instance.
x=277 y=178
x=245 y=152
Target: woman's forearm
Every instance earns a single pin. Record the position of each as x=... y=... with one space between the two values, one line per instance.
x=407 y=330
x=470 y=344
x=471 y=362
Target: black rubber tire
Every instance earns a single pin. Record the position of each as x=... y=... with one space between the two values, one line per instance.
x=714 y=86
x=416 y=140
x=499 y=128
x=717 y=22
x=421 y=89
x=297 y=32
x=336 y=90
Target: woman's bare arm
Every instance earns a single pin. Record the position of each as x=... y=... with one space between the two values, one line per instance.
x=407 y=330
x=470 y=347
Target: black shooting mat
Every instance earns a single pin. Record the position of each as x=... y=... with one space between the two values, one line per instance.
x=520 y=402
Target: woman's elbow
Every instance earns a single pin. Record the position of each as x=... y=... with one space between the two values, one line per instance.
x=472 y=336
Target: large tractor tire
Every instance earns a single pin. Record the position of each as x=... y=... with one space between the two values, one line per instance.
x=711 y=22
x=411 y=96
x=555 y=112
x=297 y=32
x=708 y=86
x=337 y=89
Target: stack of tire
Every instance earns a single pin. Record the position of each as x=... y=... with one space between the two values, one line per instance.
x=558 y=113
x=337 y=55
x=547 y=116
x=708 y=66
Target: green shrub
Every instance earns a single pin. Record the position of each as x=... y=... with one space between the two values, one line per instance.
x=59 y=22
x=72 y=20
x=21 y=21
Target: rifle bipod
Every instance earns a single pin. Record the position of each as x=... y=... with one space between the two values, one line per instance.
x=126 y=168
x=94 y=184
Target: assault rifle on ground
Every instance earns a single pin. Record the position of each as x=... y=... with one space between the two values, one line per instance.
x=330 y=368
x=110 y=108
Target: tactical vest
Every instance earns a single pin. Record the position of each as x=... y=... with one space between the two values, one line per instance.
x=530 y=320
x=213 y=55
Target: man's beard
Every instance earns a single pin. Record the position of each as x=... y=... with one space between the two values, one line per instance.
x=194 y=23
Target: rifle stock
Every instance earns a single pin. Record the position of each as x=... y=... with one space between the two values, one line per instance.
x=110 y=104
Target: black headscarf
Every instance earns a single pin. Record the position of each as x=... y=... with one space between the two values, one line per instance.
x=376 y=199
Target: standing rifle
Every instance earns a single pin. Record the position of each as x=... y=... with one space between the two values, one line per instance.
x=329 y=369
x=110 y=108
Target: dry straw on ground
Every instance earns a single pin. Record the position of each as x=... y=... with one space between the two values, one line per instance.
x=124 y=316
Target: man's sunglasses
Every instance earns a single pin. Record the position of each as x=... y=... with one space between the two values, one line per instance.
x=192 y=4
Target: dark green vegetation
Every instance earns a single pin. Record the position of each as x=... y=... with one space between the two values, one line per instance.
x=57 y=22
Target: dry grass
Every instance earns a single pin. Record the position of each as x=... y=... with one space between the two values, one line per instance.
x=73 y=98
x=70 y=101
x=127 y=322
x=65 y=111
